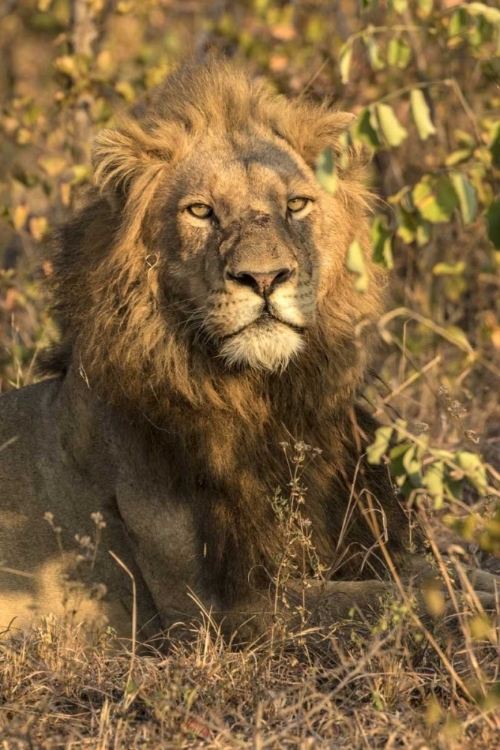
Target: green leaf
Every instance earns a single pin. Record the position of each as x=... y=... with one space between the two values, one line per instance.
x=392 y=130
x=393 y=51
x=489 y=13
x=325 y=170
x=425 y=8
x=479 y=177
x=454 y=287
x=131 y=686
x=424 y=233
x=398 y=53
x=376 y=450
x=398 y=458
x=261 y=5
x=421 y=114
x=355 y=263
x=457 y=157
x=435 y=199
x=458 y=337
x=126 y=90
x=458 y=23
x=399 y=5
x=407 y=225
x=433 y=481
x=67 y=65
x=52 y=165
x=374 y=53
x=81 y=173
x=345 y=58
x=493 y=219
x=412 y=462
x=449 y=269
x=20 y=216
x=473 y=467
x=401 y=427
x=382 y=240
x=466 y=194
x=315 y=30
x=366 y=128
x=344 y=151
x=464 y=139
x=495 y=145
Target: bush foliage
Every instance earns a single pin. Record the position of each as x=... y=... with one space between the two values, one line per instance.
x=422 y=76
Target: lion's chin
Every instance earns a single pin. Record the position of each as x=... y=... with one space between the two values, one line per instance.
x=269 y=347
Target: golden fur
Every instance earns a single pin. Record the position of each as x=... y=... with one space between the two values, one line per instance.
x=192 y=348
x=131 y=255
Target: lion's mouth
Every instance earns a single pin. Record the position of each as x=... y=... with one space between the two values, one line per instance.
x=265 y=321
x=269 y=342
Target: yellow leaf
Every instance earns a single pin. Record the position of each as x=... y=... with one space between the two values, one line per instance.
x=67 y=65
x=434 y=600
x=284 y=32
x=125 y=89
x=495 y=337
x=433 y=712
x=421 y=114
x=65 y=193
x=23 y=136
x=20 y=214
x=38 y=227
x=480 y=627
x=345 y=58
x=356 y=264
x=52 y=165
x=393 y=131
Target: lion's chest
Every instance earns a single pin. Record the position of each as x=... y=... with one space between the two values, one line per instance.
x=218 y=540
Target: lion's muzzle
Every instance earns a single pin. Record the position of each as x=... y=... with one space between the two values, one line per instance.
x=262 y=283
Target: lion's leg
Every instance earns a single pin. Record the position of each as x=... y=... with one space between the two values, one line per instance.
x=339 y=598
x=481 y=580
x=335 y=601
x=479 y=587
x=324 y=604
x=313 y=603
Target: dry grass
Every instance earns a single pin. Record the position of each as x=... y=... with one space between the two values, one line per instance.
x=397 y=682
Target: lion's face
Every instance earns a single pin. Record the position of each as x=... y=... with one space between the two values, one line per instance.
x=243 y=225
x=224 y=247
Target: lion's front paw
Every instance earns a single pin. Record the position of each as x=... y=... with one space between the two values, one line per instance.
x=483 y=588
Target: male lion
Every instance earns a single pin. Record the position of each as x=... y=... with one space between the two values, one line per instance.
x=206 y=318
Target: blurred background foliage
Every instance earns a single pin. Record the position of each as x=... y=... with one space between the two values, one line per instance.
x=423 y=77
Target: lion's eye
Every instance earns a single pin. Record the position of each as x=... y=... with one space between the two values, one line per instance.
x=200 y=210
x=295 y=205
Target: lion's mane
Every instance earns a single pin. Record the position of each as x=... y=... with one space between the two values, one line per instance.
x=127 y=337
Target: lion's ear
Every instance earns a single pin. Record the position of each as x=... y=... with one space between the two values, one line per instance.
x=318 y=128
x=334 y=130
x=121 y=155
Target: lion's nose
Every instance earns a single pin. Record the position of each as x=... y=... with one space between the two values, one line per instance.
x=262 y=283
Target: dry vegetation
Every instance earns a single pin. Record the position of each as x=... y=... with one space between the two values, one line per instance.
x=397 y=682
x=394 y=682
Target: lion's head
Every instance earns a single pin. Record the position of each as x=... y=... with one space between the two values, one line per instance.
x=209 y=250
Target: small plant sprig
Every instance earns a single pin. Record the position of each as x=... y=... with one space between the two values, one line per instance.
x=299 y=563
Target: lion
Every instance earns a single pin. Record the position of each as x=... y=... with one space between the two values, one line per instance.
x=207 y=320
